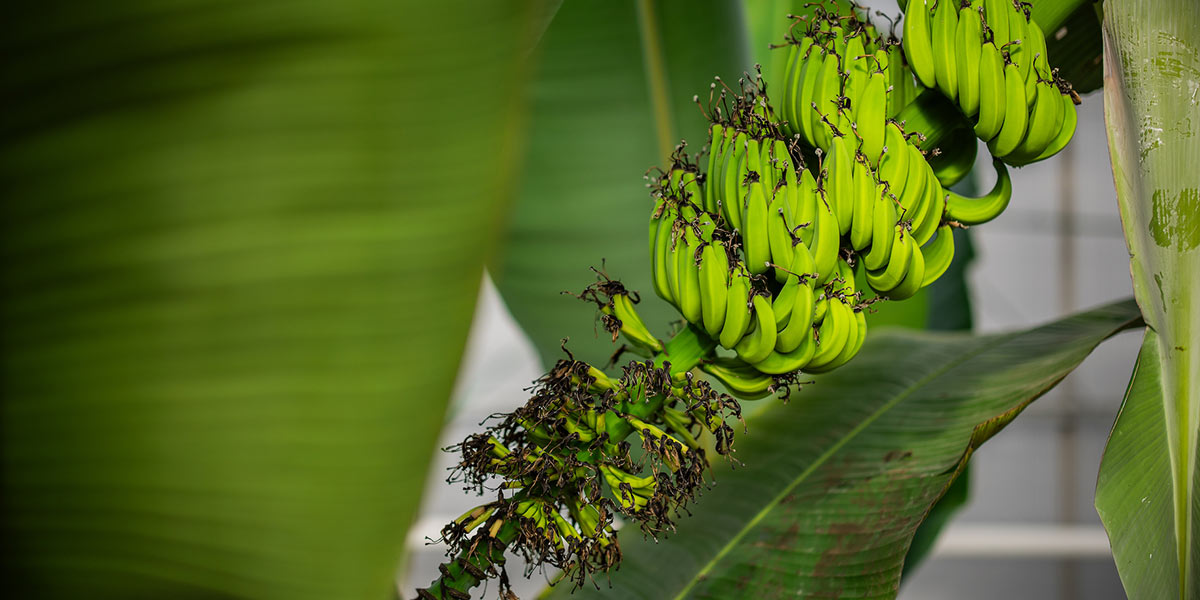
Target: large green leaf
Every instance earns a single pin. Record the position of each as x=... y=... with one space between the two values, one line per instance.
x=612 y=96
x=835 y=482
x=240 y=247
x=1152 y=112
x=1133 y=493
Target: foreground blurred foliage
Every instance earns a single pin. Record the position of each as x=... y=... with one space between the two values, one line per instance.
x=240 y=245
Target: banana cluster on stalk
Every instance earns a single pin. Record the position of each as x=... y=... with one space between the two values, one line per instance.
x=762 y=250
x=990 y=58
x=563 y=467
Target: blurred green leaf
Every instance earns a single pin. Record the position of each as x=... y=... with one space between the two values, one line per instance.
x=1152 y=78
x=835 y=483
x=612 y=96
x=240 y=245
x=1076 y=48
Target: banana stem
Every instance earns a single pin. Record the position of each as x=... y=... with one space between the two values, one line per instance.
x=463 y=573
x=686 y=350
x=932 y=114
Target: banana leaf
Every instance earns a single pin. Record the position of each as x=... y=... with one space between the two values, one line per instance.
x=611 y=98
x=833 y=484
x=240 y=246
x=1152 y=112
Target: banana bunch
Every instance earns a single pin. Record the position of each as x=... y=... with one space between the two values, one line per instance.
x=566 y=467
x=990 y=58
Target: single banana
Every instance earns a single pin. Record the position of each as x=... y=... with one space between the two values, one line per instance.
x=871 y=117
x=716 y=154
x=735 y=170
x=917 y=42
x=737 y=309
x=840 y=180
x=945 y=26
x=997 y=18
x=975 y=211
x=934 y=207
x=899 y=78
x=660 y=245
x=799 y=324
x=755 y=237
x=714 y=287
x=833 y=334
x=1044 y=123
x=687 y=273
x=969 y=42
x=741 y=379
x=779 y=235
x=814 y=66
x=825 y=100
x=882 y=232
x=760 y=341
x=779 y=363
x=856 y=67
x=893 y=164
x=991 y=93
x=937 y=254
x=848 y=348
x=1015 y=116
x=913 y=279
x=785 y=300
x=886 y=279
x=826 y=240
x=863 y=209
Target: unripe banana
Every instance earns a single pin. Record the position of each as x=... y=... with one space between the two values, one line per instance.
x=974 y=211
x=992 y=98
x=714 y=287
x=945 y=26
x=969 y=46
x=737 y=313
x=918 y=42
x=1015 y=115
x=760 y=341
x=742 y=379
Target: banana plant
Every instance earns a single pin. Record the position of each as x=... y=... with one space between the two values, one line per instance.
x=1148 y=494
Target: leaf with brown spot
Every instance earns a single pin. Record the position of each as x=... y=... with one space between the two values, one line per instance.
x=815 y=473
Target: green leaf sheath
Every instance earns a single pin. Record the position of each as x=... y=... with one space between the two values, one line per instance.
x=1152 y=66
x=613 y=92
x=240 y=245
x=835 y=483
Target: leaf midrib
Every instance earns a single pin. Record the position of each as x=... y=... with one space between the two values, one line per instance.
x=825 y=456
x=656 y=77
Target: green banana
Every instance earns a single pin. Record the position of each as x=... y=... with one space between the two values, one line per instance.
x=760 y=341
x=992 y=98
x=975 y=211
x=969 y=45
x=714 y=287
x=737 y=311
x=1015 y=116
x=945 y=26
x=743 y=380
x=918 y=42
x=938 y=254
